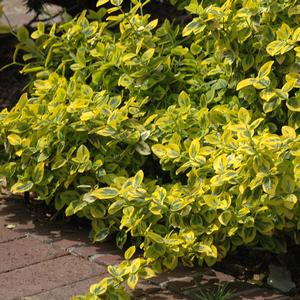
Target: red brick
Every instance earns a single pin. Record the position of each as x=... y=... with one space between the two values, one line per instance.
x=46 y=276
x=30 y=221
x=24 y=252
x=107 y=259
x=178 y=274
x=213 y=275
x=163 y=295
x=14 y=212
x=9 y=235
x=144 y=288
x=66 y=292
x=70 y=240
x=89 y=250
x=259 y=294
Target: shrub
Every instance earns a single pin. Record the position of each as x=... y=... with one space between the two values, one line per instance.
x=182 y=138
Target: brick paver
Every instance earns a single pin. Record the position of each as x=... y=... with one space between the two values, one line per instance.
x=46 y=276
x=65 y=292
x=42 y=260
x=24 y=252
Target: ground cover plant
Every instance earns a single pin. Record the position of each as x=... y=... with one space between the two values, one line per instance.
x=180 y=138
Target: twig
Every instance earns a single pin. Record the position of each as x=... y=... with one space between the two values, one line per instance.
x=9 y=24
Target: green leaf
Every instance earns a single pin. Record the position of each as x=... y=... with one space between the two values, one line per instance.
x=116 y=206
x=265 y=69
x=270 y=184
x=264 y=226
x=170 y=262
x=129 y=252
x=290 y=201
x=138 y=179
x=38 y=173
x=247 y=62
x=75 y=207
x=179 y=51
x=116 y=2
x=22 y=34
x=293 y=103
x=225 y=217
x=183 y=99
x=296 y=35
x=147 y=273
x=220 y=164
x=14 y=139
x=276 y=48
x=143 y=148
x=248 y=234
x=155 y=237
x=125 y=80
x=132 y=281
x=246 y=82
x=294 y=10
x=22 y=186
x=101 y=235
x=194 y=149
x=159 y=150
x=101 y=2
x=287 y=184
x=105 y=193
x=82 y=154
x=147 y=55
x=194 y=26
x=58 y=163
x=100 y=288
x=244 y=116
x=284 y=32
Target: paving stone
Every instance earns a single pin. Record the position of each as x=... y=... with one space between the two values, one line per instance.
x=23 y=252
x=45 y=276
x=107 y=259
x=144 y=289
x=260 y=294
x=183 y=278
x=88 y=250
x=70 y=240
x=13 y=211
x=178 y=273
x=18 y=14
x=163 y=295
x=67 y=291
x=7 y=235
x=240 y=291
x=30 y=222
x=102 y=253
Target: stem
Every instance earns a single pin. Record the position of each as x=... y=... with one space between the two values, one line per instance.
x=9 y=24
x=125 y=16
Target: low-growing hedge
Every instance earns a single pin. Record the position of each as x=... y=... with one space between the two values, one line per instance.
x=180 y=138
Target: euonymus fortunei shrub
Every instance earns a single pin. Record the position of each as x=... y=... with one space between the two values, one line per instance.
x=180 y=138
